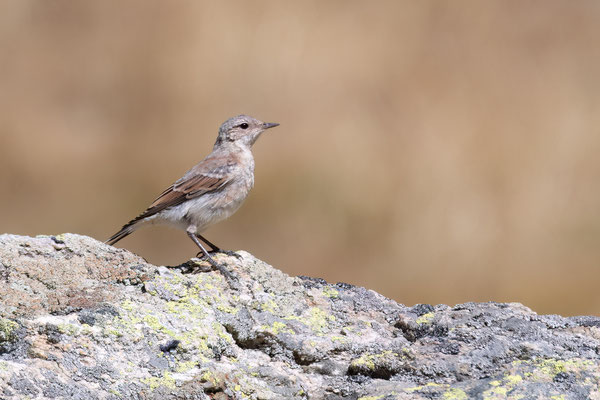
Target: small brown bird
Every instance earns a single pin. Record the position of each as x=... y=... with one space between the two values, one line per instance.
x=209 y=192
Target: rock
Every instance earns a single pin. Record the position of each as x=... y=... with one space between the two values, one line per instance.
x=81 y=319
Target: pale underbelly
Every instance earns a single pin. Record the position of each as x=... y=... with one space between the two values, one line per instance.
x=199 y=213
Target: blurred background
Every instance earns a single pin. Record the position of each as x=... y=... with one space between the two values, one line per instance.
x=437 y=152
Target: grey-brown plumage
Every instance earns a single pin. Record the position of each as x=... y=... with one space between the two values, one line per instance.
x=212 y=190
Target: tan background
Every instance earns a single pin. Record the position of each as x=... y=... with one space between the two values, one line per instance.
x=437 y=152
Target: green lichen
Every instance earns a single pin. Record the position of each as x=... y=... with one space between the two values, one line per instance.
x=269 y=306
x=455 y=394
x=425 y=318
x=330 y=292
x=501 y=388
x=112 y=332
x=188 y=307
x=154 y=382
x=371 y=397
x=185 y=366
x=125 y=323
x=128 y=305
x=498 y=392
x=221 y=332
x=541 y=370
x=277 y=328
x=7 y=330
x=86 y=329
x=227 y=309
x=153 y=322
x=318 y=320
x=370 y=360
x=513 y=379
x=209 y=376
x=195 y=338
x=60 y=237
x=347 y=330
x=68 y=329
x=341 y=339
x=552 y=367
x=366 y=360
x=419 y=388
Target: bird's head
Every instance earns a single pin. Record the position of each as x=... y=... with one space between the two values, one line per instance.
x=242 y=129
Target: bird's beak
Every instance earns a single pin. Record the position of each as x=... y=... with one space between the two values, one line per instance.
x=268 y=125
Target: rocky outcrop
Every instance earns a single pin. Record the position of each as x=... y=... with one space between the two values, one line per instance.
x=80 y=319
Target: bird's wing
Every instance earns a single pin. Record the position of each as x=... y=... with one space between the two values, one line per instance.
x=210 y=175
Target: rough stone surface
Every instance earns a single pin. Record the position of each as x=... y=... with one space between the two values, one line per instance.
x=83 y=320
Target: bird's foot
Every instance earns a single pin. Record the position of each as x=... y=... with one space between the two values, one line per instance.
x=230 y=253
x=231 y=279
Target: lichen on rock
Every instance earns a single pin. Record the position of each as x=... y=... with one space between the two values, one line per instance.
x=80 y=319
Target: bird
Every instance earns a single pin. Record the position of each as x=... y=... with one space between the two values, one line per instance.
x=210 y=191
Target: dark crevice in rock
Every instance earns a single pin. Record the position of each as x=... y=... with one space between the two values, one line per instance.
x=303 y=359
x=586 y=321
x=310 y=282
x=90 y=316
x=211 y=391
x=345 y=286
x=376 y=372
x=414 y=331
x=422 y=309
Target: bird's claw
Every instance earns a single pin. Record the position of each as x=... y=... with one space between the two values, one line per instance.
x=231 y=279
x=231 y=253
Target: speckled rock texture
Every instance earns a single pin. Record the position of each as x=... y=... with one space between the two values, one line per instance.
x=83 y=320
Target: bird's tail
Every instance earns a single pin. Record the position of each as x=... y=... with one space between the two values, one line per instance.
x=125 y=231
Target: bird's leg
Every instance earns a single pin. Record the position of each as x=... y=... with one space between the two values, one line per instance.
x=213 y=247
x=212 y=262
x=216 y=249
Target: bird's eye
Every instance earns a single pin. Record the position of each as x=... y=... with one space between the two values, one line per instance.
x=244 y=126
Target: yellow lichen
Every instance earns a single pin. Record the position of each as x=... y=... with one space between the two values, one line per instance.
x=221 y=332
x=127 y=305
x=7 y=330
x=417 y=388
x=341 y=339
x=277 y=328
x=185 y=366
x=153 y=322
x=154 y=382
x=501 y=388
x=318 y=320
x=425 y=318
x=369 y=360
x=513 y=379
x=68 y=329
x=455 y=394
x=269 y=306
